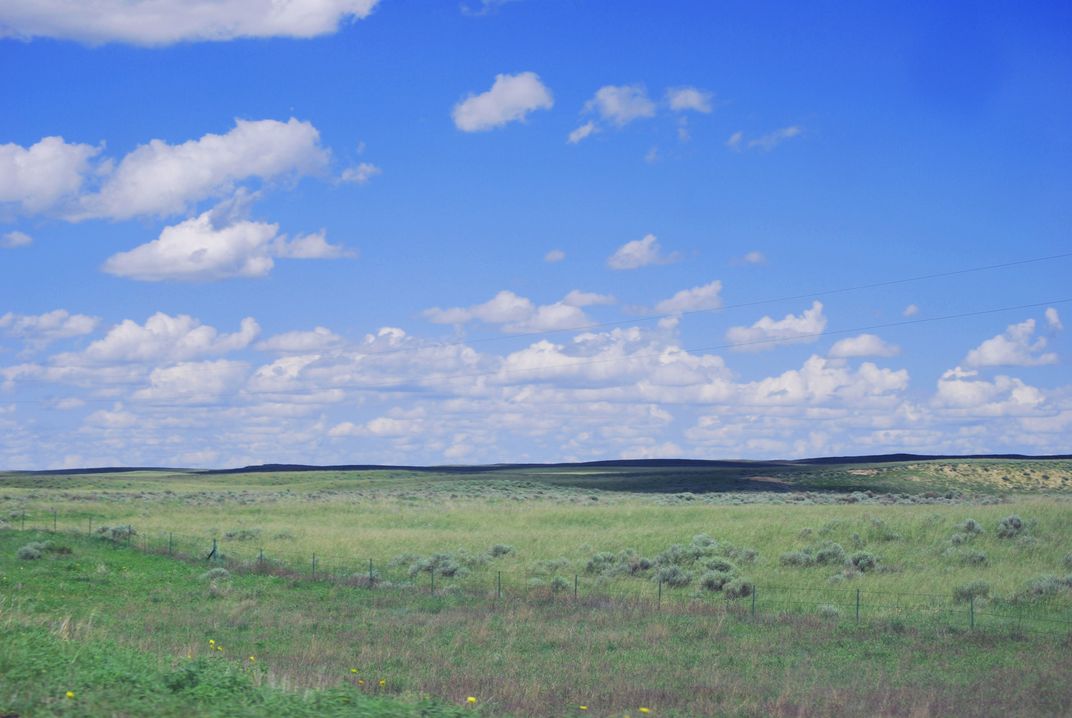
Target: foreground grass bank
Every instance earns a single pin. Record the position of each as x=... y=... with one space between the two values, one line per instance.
x=64 y=612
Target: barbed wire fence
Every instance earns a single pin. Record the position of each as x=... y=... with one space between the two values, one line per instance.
x=411 y=575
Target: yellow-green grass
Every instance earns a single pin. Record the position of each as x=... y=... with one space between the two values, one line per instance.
x=520 y=658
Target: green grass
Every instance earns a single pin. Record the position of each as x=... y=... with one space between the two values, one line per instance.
x=538 y=652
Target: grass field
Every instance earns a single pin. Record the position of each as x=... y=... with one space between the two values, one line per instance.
x=937 y=530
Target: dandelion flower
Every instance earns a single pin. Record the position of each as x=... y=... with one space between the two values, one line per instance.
x=383 y=681
x=70 y=694
x=353 y=670
x=252 y=659
x=645 y=710
x=470 y=700
x=211 y=642
x=360 y=681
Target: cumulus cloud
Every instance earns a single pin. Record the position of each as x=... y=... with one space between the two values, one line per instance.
x=38 y=177
x=688 y=98
x=735 y=141
x=1053 y=319
x=910 y=311
x=1014 y=347
x=164 y=338
x=863 y=345
x=193 y=382
x=199 y=251
x=13 y=240
x=768 y=332
x=820 y=381
x=640 y=253
x=39 y=330
x=318 y=339
x=621 y=104
x=517 y=314
x=163 y=179
x=165 y=22
x=361 y=174
x=754 y=257
x=963 y=391
x=583 y=132
x=700 y=298
x=510 y=99
x=555 y=255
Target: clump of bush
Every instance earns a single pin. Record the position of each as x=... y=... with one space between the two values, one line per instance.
x=30 y=552
x=738 y=588
x=969 y=591
x=715 y=580
x=863 y=562
x=216 y=574
x=1045 y=586
x=970 y=527
x=829 y=612
x=672 y=576
x=1068 y=561
x=1010 y=526
x=242 y=534
x=117 y=533
x=826 y=553
x=499 y=550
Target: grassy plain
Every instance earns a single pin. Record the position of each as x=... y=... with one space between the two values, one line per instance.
x=539 y=652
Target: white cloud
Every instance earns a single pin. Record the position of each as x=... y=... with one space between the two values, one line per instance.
x=318 y=339
x=652 y=155
x=310 y=246
x=754 y=257
x=360 y=174
x=577 y=298
x=162 y=179
x=584 y=131
x=771 y=140
x=41 y=329
x=706 y=296
x=962 y=391
x=910 y=311
x=164 y=22
x=820 y=381
x=735 y=141
x=11 y=240
x=688 y=98
x=640 y=253
x=510 y=99
x=503 y=307
x=767 y=333
x=198 y=251
x=555 y=255
x=621 y=104
x=164 y=338
x=193 y=382
x=37 y=177
x=864 y=345
x=1012 y=348
x=1053 y=319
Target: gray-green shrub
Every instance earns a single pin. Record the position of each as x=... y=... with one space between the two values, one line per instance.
x=673 y=576
x=739 y=588
x=1010 y=526
x=968 y=591
x=715 y=580
x=863 y=561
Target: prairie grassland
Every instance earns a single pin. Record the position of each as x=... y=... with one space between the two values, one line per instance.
x=826 y=532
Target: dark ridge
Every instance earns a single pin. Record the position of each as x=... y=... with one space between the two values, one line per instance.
x=100 y=470
x=888 y=458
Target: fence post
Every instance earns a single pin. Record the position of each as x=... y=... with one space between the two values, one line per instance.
x=53 y=520
x=659 y=601
x=370 y=573
x=857 y=607
x=170 y=538
x=314 y=566
x=498 y=584
x=754 y=592
x=575 y=582
x=971 y=612
x=432 y=574
x=23 y=520
x=90 y=526
x=260 y=556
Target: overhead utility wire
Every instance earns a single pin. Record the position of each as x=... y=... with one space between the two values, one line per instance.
x=740 y=305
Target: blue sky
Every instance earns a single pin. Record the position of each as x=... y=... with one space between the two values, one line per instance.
x=355 y=231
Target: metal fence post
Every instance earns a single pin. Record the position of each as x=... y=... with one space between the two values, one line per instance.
x=659 y=601
x=53 y=520
x=575 y=582
x=857 y=607
x=432 y=574
x=314 y=566
x=170 y=540
x=90 y=526
x=498 y=584
x=754 y=592
x=971 y=612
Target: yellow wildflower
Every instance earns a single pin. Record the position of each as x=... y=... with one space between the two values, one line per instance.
x=470 y=700
x=70 y=694
x=360 y=681
x=644 y=710
x=252 y=659
x=353 y=670
x=383 y=681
